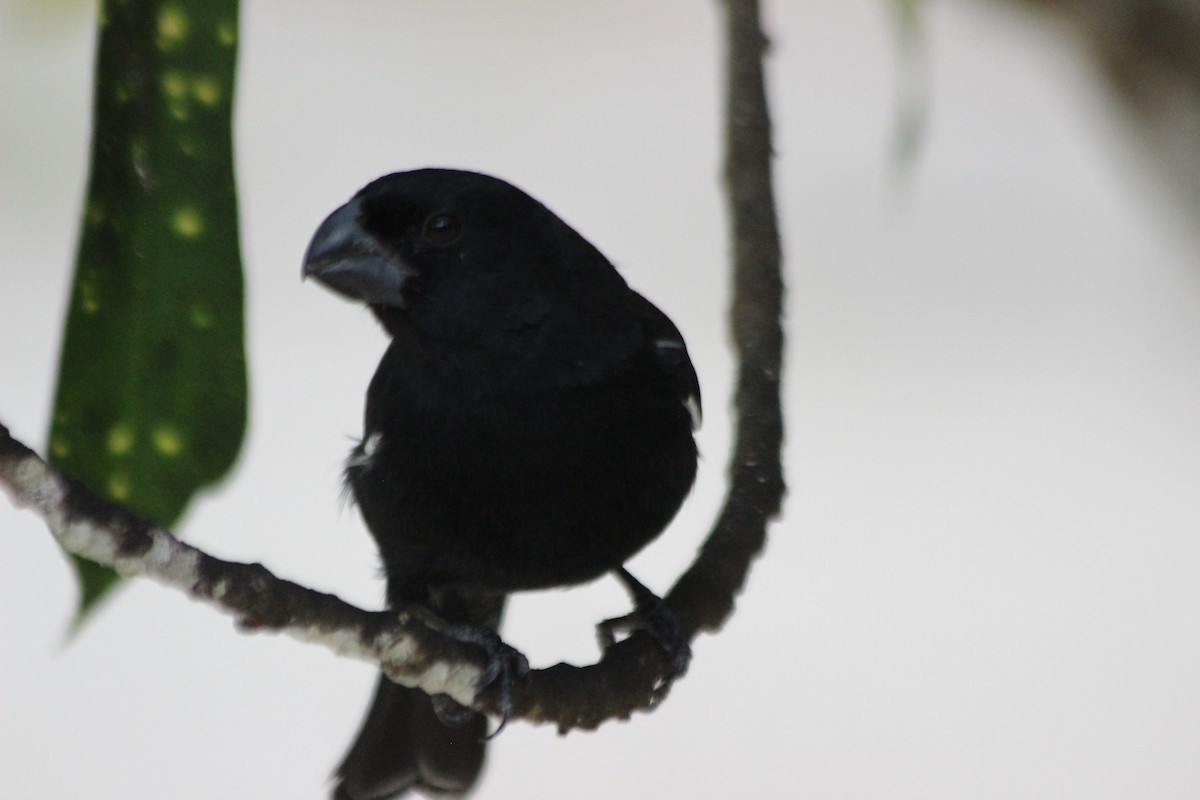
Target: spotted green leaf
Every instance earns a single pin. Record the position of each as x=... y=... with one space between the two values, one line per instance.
x=151 y=398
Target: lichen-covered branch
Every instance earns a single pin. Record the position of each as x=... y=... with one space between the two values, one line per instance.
x=408 y=644
x=110 y=535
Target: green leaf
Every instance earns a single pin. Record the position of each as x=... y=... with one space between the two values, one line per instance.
x=151 y=398
x=913 y=113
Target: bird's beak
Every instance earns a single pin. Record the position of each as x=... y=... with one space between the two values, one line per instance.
x=353 y=263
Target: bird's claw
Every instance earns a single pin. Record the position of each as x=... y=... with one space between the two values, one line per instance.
x=653 y=616
x=504 y=664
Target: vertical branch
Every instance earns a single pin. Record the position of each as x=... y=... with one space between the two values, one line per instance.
x=703 y=596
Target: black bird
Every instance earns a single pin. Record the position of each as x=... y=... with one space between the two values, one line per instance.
x=529 y=426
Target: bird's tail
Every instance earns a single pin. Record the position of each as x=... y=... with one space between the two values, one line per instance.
x=405 y=743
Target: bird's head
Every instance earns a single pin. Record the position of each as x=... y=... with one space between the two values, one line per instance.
x=454 y=252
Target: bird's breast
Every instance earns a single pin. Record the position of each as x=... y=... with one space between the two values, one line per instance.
x=523 y=491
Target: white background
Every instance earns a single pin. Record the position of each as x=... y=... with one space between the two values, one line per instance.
x=985 y=582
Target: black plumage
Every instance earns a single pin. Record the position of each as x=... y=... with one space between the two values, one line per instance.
x=529 y=426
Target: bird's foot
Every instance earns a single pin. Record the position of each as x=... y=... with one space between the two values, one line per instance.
x=651 y=615
x=504 y=664
x=450 y=712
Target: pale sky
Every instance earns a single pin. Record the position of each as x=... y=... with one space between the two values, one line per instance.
x=985 y=582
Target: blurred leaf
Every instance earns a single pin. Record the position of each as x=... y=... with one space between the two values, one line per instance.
x=913 y=105
x=151 y=399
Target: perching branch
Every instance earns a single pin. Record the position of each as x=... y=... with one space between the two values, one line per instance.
x=407 y=644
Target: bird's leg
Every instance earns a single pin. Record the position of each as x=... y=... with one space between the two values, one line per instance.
x=650 y=614
x=504 y=664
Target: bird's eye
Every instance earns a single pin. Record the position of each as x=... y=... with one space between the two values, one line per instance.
x=441 y=229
